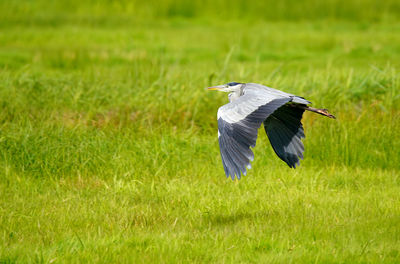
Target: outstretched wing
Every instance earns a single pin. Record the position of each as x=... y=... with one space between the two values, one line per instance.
x=238 y=124
x=285 y=131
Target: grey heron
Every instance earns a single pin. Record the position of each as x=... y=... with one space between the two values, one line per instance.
x=250 y=105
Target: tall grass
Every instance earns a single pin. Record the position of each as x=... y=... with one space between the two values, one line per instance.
x=108 y=146
x=110 y=12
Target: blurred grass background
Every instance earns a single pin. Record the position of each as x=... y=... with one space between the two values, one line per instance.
x=108 y=147
x=108 y=12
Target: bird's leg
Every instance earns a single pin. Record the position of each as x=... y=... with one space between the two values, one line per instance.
x=320 y=111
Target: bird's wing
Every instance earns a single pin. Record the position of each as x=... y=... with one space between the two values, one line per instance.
x=285 y=131
x=238 y=124
x=272 y=91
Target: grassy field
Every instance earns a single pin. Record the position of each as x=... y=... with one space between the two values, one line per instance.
x=108 y=139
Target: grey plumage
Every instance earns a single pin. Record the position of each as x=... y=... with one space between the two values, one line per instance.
x=250 y=106
x=285 y=131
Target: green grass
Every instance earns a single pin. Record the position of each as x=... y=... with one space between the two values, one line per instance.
x=108 y=139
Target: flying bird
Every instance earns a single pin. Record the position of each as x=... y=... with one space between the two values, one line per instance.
x=250 y=105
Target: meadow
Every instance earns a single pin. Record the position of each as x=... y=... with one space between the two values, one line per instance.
x=108 y=138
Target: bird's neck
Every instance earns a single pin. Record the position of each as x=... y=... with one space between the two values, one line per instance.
x=233 y=96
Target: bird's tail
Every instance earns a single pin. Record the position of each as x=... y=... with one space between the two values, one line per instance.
x=323 y=112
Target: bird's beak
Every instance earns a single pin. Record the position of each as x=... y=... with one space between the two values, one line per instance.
x=218 y=87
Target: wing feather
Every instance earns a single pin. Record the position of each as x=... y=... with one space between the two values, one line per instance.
x=238 y=124
x=285 y=131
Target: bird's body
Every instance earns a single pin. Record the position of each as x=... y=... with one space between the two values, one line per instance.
x=249 y=106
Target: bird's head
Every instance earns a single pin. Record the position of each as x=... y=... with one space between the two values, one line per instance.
x=229 y=87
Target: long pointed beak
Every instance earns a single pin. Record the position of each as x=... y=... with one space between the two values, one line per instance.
x=218 y=87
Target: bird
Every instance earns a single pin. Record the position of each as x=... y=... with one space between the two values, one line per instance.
x=250 y=105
